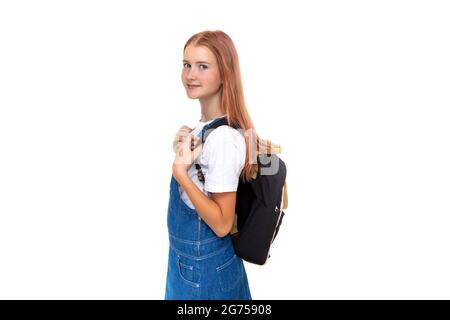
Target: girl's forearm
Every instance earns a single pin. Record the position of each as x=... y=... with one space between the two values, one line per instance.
x=207 y=209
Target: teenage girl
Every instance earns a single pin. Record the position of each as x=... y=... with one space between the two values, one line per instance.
x=202 y=262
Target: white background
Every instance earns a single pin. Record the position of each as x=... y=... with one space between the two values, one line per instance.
x=356 y=92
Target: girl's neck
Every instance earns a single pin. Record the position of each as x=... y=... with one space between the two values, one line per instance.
x=210 y=107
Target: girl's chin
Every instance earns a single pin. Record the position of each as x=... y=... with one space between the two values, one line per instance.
x=194 y=94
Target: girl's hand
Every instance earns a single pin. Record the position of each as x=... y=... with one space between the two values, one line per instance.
x=181 y=134
x=184 y=155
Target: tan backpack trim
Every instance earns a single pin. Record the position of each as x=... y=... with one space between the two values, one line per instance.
x=234 y=228
x=284 y=197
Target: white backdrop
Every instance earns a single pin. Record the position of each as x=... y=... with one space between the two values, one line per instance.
x=356 y=92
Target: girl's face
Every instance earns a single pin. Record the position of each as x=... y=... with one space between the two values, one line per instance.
x=200 y=75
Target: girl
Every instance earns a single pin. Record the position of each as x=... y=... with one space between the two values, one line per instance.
x=202 y=262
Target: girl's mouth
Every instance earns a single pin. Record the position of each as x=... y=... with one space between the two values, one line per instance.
x=192 y=87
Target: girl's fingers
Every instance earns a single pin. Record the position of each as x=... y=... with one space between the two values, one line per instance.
x=180 y=136
x=186 y=128
x=183 y=132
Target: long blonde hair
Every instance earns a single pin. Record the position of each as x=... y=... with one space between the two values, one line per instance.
x=232 y=101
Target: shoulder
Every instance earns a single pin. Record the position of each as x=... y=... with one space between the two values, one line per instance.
x=224 y=142
x=225 y=134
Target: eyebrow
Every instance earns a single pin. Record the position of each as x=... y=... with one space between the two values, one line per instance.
x=198 y=61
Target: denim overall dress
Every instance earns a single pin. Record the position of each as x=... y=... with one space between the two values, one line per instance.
x=201 y=265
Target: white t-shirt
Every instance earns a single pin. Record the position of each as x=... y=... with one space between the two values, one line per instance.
x=222 y=160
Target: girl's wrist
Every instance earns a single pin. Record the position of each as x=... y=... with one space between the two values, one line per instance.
x=178 y=170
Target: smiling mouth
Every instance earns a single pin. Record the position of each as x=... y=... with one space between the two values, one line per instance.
x=192 y=87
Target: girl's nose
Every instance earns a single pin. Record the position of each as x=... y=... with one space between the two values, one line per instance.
x=191 y=74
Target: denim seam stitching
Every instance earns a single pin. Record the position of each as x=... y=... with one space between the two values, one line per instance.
x=199 y=257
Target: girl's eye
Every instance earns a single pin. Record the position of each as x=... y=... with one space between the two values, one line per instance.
x=202 y=65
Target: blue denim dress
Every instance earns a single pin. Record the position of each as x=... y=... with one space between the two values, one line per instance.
x=201 y=265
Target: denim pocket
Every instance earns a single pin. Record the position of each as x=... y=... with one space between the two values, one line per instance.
x=230 y=273
x=189 y=274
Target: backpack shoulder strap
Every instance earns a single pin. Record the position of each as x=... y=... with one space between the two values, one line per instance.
x=213 y=125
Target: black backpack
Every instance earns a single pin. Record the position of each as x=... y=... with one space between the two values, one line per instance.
x=259 y=207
